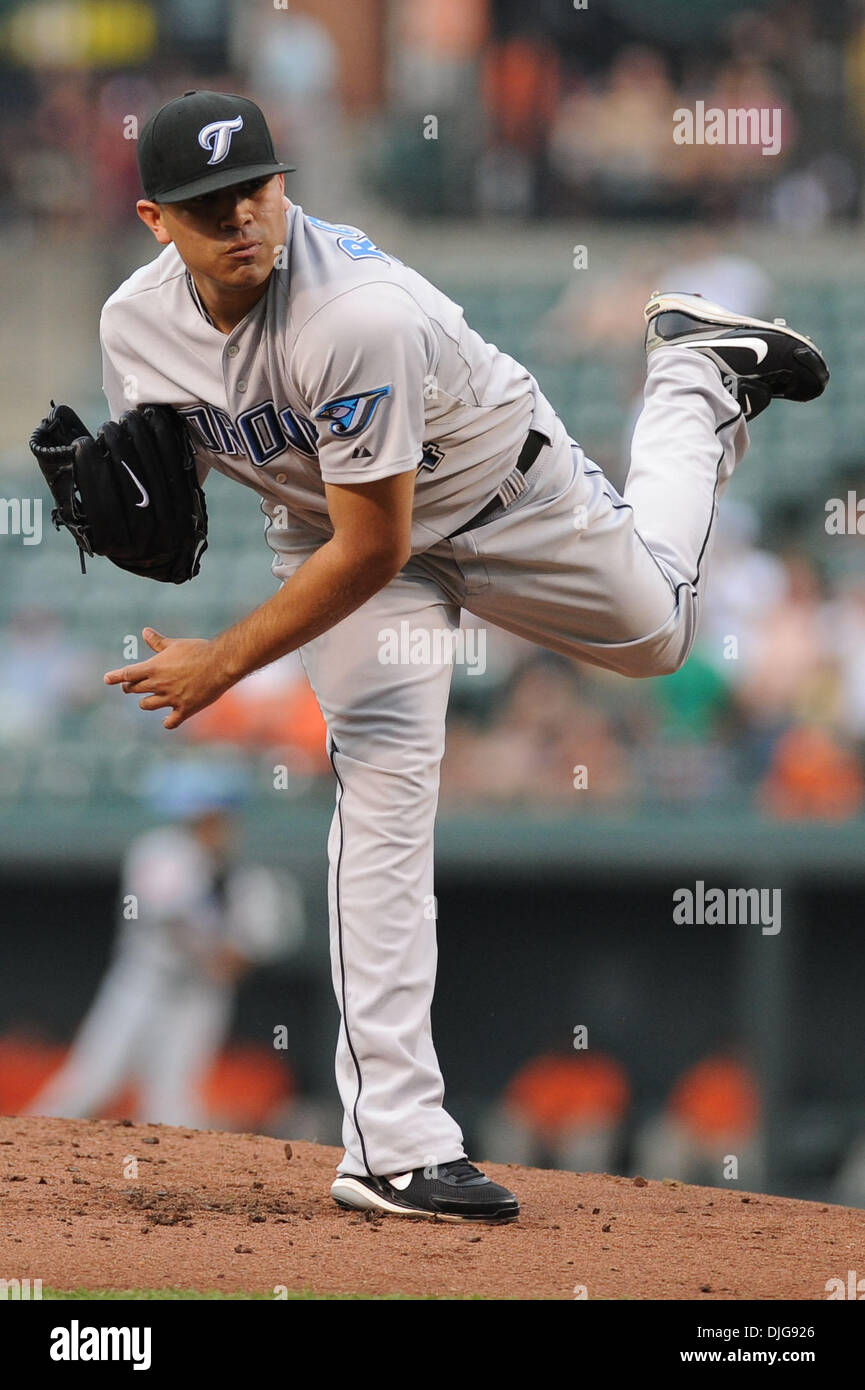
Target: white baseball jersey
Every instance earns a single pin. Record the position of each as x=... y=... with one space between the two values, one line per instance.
x=351 y=368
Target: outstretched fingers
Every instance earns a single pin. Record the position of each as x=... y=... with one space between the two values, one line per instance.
x=132 y=678
x=156 y=701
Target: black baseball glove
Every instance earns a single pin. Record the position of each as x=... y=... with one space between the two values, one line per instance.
x=131 y=494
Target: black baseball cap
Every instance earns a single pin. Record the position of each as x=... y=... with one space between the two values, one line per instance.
x=203 y=141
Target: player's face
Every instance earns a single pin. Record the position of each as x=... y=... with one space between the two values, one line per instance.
x=231 y=236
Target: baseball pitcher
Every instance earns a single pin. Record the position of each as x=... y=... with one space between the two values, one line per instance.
x=407 y=470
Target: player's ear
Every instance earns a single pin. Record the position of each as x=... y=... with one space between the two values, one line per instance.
x=151 y=216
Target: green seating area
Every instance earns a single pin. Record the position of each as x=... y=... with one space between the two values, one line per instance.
x=797 y=449
x=94 y=744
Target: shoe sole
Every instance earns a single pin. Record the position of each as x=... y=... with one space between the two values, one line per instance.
x=715 y=314
x=352 y=1195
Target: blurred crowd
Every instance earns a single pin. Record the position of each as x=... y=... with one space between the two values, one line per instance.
x=588 y=127
x=768 y=711
x=72 y=116
x=550 y=110
x=543 y=111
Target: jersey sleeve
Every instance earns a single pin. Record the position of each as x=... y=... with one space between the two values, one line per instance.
x=120 y=383
x=362 y=363
x=118 y=375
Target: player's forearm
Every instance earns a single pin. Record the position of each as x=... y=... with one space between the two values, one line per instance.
x=328 y=586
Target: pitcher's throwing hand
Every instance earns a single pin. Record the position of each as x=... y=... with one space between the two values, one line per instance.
x=183 y=676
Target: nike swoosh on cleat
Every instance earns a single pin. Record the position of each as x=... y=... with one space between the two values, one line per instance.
x=401 y=1181
x=757 y=345
x=145 y=500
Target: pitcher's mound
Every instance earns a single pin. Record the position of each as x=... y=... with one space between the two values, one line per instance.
x=109 y=1205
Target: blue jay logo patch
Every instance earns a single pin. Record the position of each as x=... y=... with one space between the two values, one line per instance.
x=349 y=415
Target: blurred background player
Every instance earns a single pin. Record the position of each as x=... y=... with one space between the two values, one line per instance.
x=193 y=921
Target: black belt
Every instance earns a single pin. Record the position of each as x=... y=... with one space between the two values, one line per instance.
x=529 y=452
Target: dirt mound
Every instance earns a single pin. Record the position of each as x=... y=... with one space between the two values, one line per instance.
x=107 y=1204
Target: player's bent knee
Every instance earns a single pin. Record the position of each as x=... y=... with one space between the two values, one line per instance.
x=661 y=654
x=659 y=658
x=664 y=663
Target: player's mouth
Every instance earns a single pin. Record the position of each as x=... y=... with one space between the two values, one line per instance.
x=244 y=251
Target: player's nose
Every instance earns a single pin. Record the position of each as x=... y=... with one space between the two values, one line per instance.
x=236 y=211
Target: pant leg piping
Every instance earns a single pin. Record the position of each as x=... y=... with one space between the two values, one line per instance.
x=722 y=426
x=339 y=933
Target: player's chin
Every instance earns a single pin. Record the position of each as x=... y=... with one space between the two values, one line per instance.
x=248 y=271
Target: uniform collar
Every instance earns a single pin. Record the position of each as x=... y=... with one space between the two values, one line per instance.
x=197 y=300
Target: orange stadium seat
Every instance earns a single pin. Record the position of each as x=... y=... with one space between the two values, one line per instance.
x=717 y=1098
x=553 y=1093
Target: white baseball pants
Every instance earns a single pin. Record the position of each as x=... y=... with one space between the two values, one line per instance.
x=615 y=581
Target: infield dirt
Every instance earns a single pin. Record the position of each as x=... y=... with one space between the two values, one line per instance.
x=232 y=1212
